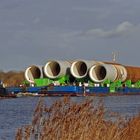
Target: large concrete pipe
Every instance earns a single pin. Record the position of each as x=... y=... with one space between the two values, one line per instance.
x=101 y=72
x=56 y=69
x=33 y=72
x=79 y=69
x=133 y=73
x=113 y=72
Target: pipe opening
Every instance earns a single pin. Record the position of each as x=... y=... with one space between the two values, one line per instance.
x=53 y=69
x=80 y=68
x=36 y=73
x=99 y=73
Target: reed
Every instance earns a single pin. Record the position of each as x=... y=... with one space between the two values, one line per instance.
x=67 y=120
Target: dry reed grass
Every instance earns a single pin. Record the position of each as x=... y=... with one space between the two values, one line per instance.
x=66 y=120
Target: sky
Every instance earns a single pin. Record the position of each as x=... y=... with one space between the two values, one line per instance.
x=36 y=31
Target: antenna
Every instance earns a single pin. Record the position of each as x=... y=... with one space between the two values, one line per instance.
x=114 y=56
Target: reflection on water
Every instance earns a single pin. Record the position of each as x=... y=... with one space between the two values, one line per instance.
x=15 y=113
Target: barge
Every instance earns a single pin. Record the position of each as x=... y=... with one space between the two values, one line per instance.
x=71 y=90
x=87 y=91
x=106 y=88
x=5 y=94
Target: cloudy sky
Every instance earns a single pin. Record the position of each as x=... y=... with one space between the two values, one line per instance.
x=35 y=31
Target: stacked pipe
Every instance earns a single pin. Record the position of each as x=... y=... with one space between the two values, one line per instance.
x=53 y=70
x=97 y=71
x=101 y=71
x=79 y=68
x=114 y=72
x=33 y=72
x=56 y=69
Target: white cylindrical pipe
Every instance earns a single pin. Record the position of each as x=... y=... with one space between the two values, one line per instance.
x=33 y=72
x=79 y=69
x=121 y=73
x=56 y=69
x=101 y=72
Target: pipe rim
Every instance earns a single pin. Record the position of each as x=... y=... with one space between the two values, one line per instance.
x=26 y=75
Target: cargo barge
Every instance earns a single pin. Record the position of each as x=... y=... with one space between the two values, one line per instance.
x=83 y=78
x=86 y=91
x=5 y=94
x=73 y=91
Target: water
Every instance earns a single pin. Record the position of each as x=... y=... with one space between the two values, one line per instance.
x=15 y=113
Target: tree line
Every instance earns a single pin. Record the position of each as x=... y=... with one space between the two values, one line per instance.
x=12 y=78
